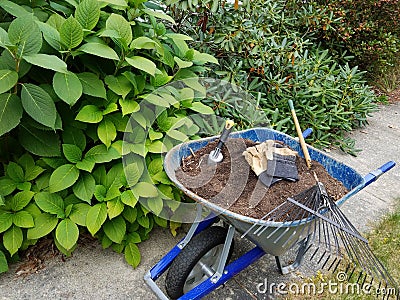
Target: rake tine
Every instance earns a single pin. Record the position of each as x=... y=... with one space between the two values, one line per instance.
x=337 y=265
x=326 y=261
x=331 y=265
x=322 y=256
x=351 y=274
x=359 y=276
x=305 y=214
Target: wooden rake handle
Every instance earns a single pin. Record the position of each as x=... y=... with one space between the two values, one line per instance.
x=300 y=135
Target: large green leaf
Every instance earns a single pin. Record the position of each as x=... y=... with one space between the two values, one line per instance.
x=79 y=212
x=143 y=42
x=71 y=33
x=145 y=189
x=72 y=153
x=68 y=87
x=100 y=50
x=25 y=33
x=142 y=63
x=156 y=205
x=38 y=104
x=47 y=61
x=202 y=108
x=50 y=203
x=106 y=132
x=4 y=40
x=44 y=224
x=96 y=216
x=3 y=263
x=14 y=9
x=128 y=198
x=92 y=85
x=132 y=173
x=90 y=114
x=120 y=25
x=10 y=112
x=6 y=219
x=114 y=208
x=51 y=35
x=63 y=177
x=39 y=142
x=100 y=154
x=67 y=234
x=87 y=13
x=7 y=186
x=12 y=239
x=132 y=254
x=23 y=219
x=55 y=21
x=115 y=229
x=121 y=3
x=20 y=200
x=8 y=79
x=128 y=106
x=119 y=85
x=84 y=187
x=85 y=165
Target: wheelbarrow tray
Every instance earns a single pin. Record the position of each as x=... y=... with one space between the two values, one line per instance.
x=286 y=231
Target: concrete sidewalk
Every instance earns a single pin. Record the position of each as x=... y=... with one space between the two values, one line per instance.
x=94 y=273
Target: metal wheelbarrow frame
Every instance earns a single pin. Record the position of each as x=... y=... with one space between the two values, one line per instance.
x=350 y=178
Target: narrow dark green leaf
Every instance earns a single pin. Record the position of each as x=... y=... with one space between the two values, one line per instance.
x=38 y=104
x=10 y=112
x=39 y=142
x=46 y=61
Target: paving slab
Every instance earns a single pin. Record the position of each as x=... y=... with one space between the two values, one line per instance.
x=94 y=273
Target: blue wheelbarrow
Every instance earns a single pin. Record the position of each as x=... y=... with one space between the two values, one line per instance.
x=198 y=264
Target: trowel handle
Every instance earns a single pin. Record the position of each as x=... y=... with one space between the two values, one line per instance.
x=225 y=133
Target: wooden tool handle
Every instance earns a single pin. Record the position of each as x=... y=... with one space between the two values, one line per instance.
x=300 y=135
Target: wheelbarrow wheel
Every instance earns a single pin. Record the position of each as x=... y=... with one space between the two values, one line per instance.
x=202 y=252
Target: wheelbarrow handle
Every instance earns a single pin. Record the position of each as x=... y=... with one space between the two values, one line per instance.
x=374 y=175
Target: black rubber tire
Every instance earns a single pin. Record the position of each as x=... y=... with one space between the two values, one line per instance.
x=183 y=264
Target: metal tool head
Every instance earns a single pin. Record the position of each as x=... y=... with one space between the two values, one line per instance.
x=215 y=156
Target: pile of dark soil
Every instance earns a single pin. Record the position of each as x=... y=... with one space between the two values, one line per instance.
x=232 y=184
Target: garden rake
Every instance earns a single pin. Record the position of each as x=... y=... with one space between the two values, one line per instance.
x=327 y=235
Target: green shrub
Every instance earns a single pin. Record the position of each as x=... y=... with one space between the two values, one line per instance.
x=71 y=74
x=261 y=48
x=368 y=29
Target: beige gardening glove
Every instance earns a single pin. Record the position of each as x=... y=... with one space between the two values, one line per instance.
x=258 y=155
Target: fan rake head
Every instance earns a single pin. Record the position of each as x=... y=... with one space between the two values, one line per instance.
x=331 y=239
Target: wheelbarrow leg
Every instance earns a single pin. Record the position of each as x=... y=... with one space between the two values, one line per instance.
x=299 y=257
